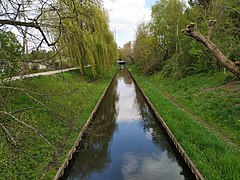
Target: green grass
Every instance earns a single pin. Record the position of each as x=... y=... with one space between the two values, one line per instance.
x=200 y=95
x=59 y=107
x=215 y=97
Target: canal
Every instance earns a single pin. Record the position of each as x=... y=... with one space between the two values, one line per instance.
x=125 y=141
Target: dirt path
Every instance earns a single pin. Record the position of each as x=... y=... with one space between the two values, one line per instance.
x=218 y=131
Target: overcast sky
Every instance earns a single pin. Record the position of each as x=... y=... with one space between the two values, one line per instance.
x=124 y=15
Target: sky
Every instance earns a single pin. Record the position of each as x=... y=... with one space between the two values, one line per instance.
x=124 y=15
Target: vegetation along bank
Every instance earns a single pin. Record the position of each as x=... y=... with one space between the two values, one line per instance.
x=202 y=111
x=49 y=112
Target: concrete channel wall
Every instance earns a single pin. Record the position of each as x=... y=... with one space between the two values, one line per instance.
x=70 y=156
x=61 y=173
x=170 y=135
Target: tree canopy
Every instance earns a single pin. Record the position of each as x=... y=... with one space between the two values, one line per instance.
x=87 y=39
x=179 y=56
x=79 y=29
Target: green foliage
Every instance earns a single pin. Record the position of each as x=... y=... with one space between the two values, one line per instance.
x=146 y=51
x=173 y=68
x=202 y=3
x=89 y=40
x=167 y=19
x=203 y=113
x=160 y=39
x=226 y=33
x=125 y=53
x=10 y=51
x=177 y=55
x=10 y=47
x=213 y=96
x=59 y=120
x=40 y=55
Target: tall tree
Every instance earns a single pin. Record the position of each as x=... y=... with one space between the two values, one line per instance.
x=167 y=17
x=148 y=54
x=162 y=36
x=93 y=44
x=181 y=56
x=89 y=41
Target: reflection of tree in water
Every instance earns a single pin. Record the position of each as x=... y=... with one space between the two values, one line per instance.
x=151 y=126
x=158 y=137
x=123 y=73
x=94 y=156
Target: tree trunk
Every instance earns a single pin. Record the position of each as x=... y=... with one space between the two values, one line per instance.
x=221 y=58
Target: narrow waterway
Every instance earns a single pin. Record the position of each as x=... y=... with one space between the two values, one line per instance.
x=125 y=142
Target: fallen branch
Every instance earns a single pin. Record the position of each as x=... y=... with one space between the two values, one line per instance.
x=27 y=125
x=38 y=109
x=8 y=135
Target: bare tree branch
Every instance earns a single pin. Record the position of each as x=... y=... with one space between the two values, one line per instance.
x=19 y=23
x=27 y=125
x=21 y=89
x=38 y=109
x=8 y=135
x=210 y=28
x=32 y=25
x=221 y=58
x=31 y=97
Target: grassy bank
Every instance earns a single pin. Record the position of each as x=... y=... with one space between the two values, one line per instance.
x=46 y=115
x=203 y=113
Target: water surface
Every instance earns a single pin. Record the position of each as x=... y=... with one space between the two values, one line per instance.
x=125 y=142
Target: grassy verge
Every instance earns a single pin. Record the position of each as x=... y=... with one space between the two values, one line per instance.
x=213 y=155
x=215 y=97
x=49 y=112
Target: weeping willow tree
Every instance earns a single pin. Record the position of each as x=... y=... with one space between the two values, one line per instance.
x=87 y=39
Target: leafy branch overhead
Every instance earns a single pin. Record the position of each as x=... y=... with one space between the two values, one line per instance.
x=221 y=58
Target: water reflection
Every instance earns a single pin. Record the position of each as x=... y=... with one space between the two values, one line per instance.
x=127 y=108
x=125 y=142
x=94 y=156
